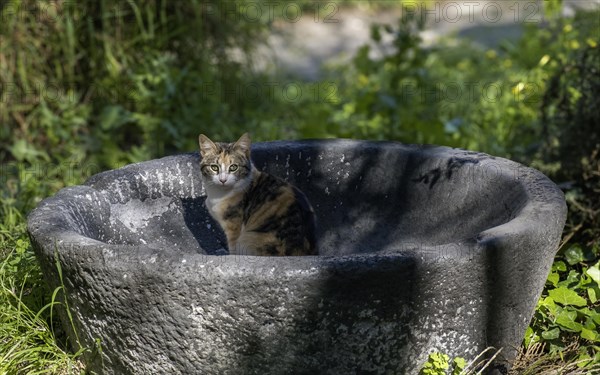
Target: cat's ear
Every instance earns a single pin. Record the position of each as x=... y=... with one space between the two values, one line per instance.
x=243 y=144
x=206 y=145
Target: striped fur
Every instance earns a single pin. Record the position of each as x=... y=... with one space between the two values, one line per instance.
x=260 y=214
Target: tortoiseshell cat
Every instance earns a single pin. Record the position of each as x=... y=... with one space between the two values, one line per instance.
x=260 y=214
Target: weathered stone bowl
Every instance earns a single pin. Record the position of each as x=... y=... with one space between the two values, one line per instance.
x=421 y=249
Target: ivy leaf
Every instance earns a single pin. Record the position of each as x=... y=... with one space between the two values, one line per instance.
x=585 y=311
x=574 y=254
x=583 y=360
x=549 y=304
x=553 y=278
x=589 y=324
x=594 y=272
x=551 y=334
x=459 y=365
x=566 y=319
x=437 y=363
x=559 y=266
x=592 y=295
x=573 y=280
x=588 y=334
x=566 y=296
x=530 y=337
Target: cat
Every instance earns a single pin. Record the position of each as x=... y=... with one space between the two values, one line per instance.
x=260 y=214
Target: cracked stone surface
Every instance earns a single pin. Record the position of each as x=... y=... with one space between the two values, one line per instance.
x=421 y=248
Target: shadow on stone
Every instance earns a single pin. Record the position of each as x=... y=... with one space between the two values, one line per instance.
x=203 y=227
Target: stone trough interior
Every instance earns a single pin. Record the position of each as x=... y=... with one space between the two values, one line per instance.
x=367 y=199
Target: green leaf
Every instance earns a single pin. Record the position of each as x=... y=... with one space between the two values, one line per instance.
x=574 y=254
x=588 y=334
x=573 y=280
x=551 y=334
x=589 y=324
x=549 y=304
x=592 y=295
x=113 y=116
x=585 y=311
x=553 y=278
x=583 y=360
x=594 y=272
x=559 y=266
x=556 y=347
x=566 y=319
x=375 y=33
x=436 y=364
x=24 y=151
x=459 y=365
x=552 y=7
x=585 y=279
x=530 y=337
x=566 y=296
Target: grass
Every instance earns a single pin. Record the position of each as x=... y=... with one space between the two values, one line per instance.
x=28 y=342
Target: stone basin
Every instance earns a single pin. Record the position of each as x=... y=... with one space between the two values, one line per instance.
x=421 y=249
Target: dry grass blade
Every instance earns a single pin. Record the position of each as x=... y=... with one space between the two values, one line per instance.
x=535 y=361
x=489 y=361
x=479 y=361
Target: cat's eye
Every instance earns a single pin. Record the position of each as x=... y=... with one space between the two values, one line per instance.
x=233 y=168
x=214 y=167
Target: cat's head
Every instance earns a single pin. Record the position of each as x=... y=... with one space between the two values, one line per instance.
x=225 y=165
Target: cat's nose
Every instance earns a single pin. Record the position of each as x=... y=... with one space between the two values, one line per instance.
x=223 y=180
